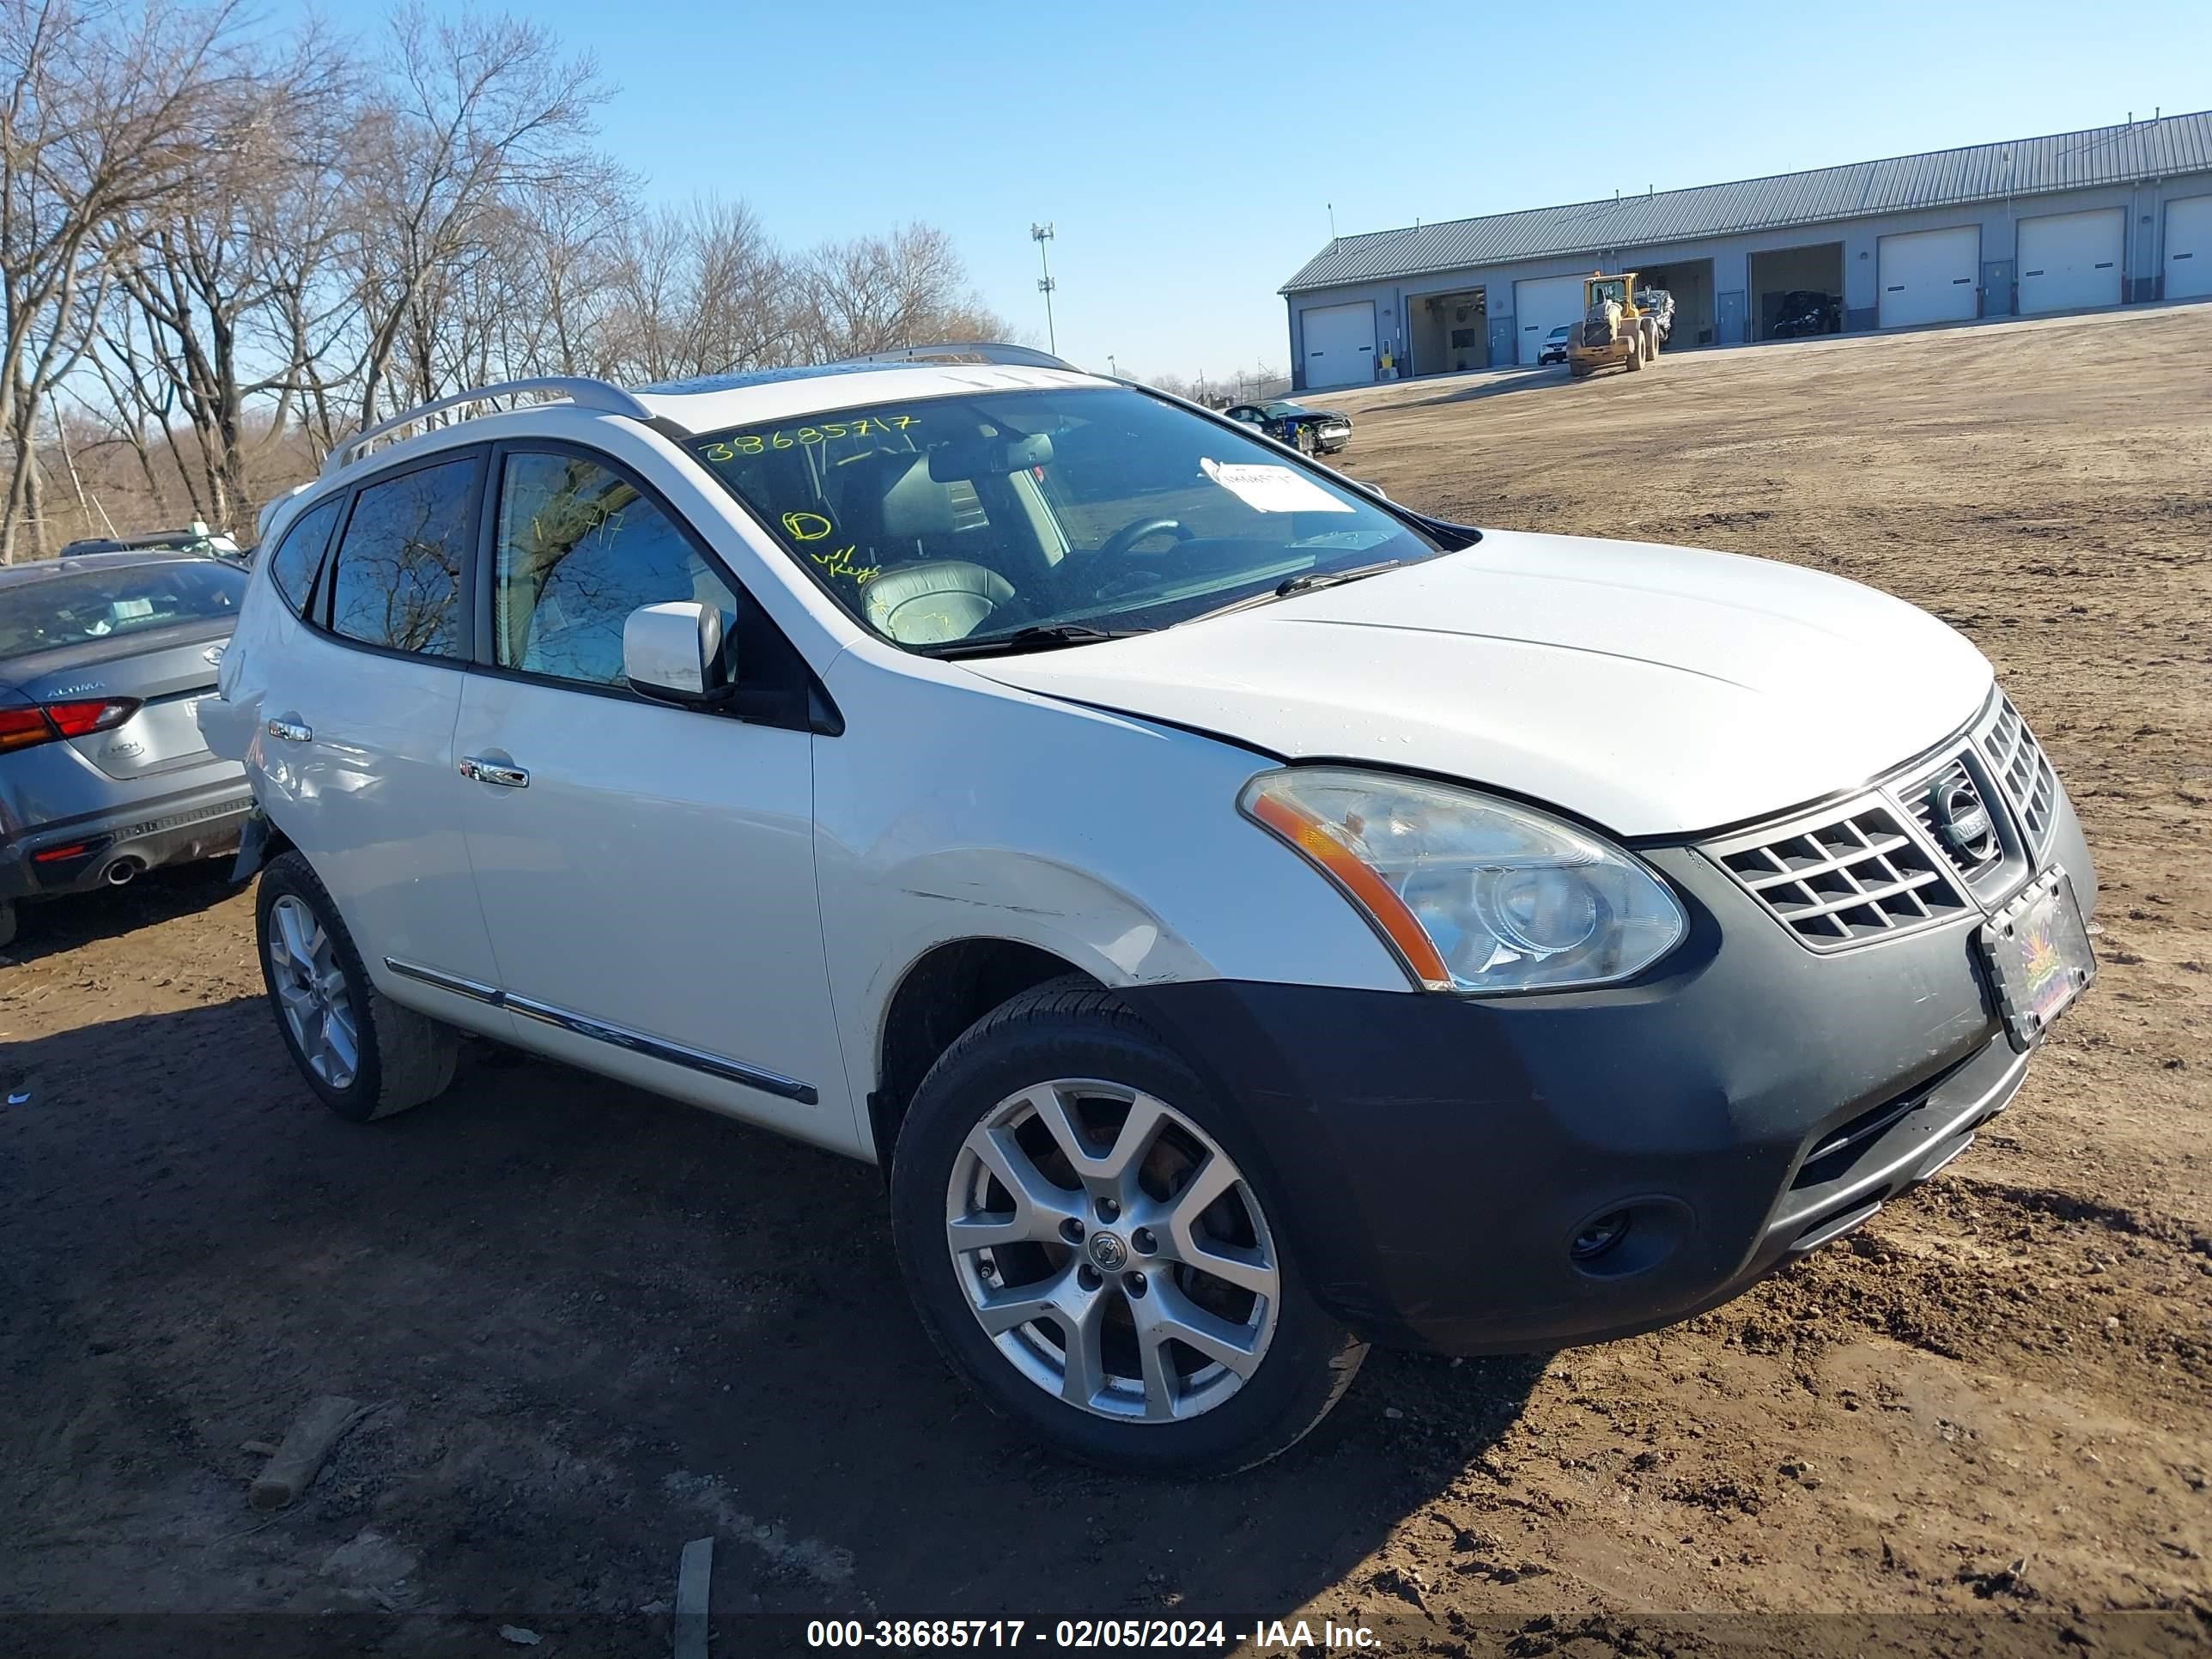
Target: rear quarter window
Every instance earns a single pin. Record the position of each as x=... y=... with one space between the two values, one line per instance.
x=292 y=567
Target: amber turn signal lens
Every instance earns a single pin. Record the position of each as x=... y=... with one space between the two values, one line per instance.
x=1309 y=838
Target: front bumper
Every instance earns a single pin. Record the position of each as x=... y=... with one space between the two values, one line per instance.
x=1441 y=1157
x=198 y=819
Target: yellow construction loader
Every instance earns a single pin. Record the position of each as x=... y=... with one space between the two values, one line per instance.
x=1619 y=328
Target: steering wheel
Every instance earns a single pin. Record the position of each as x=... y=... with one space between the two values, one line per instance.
x=1117 y=547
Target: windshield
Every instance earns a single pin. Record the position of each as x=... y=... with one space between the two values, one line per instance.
x=93 y=604
x=956 y=522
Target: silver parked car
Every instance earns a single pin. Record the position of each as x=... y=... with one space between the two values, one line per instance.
x=103 y=775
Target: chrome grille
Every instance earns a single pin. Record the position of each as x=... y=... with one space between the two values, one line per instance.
x=1948 y=781
x=1854 y=876
x=2023 y=770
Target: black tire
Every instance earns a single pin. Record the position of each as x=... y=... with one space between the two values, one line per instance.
x=1070 y=1028
x=8 y=921
x=403 y=1057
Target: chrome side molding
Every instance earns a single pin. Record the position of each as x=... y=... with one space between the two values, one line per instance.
x=453 y=983
x=652 y=1048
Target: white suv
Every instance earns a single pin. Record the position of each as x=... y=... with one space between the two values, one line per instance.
x=1249 y=918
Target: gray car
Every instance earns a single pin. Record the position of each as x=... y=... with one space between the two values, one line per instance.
x=103 y=775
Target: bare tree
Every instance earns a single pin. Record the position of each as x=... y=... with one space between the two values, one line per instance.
x=478 y=107
x=204 y=270
x=702 y=291
x=103 y=117
x=878 y=293
x=219 y=256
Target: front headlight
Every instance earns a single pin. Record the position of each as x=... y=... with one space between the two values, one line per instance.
x=1474 y=894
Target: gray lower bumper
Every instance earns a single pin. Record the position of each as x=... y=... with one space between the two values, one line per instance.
x=89 y=851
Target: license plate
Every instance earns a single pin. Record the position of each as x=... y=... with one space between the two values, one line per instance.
x=2038 y=953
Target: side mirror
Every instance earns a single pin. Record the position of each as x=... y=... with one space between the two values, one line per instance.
x=673 y=651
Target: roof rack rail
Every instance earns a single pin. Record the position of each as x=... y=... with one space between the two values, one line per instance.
x=968 y=351
x=583 y=392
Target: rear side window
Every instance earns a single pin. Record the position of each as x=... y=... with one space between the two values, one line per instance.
x=292 y=567
x=397 y=578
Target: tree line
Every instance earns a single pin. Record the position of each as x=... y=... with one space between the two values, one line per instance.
x=223 y=249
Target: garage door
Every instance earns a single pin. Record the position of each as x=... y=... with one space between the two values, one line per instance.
x=2070 y=261
x=2188 y=248
x=1930 y=277
x=1540 y=306
x=1340 y=344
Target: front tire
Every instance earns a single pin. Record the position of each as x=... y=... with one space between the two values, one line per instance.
x=365 y=1056
x=1086 y=1238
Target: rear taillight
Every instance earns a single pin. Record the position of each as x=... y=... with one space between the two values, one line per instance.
x=20 y=728
x=82 y=719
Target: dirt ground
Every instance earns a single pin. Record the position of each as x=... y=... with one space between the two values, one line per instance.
x=595 y=1326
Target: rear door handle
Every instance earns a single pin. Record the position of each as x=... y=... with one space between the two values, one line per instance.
x=502 y=772
x=291 y=731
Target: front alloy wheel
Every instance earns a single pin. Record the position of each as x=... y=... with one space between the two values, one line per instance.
x=1088 y=1238
x=1112 y=1251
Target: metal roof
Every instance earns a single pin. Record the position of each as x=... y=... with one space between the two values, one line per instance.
x=1943 y=178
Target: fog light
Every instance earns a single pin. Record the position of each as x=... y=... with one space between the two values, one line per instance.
x=1599 y=1236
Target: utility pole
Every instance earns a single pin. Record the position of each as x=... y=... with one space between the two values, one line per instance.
x=1111 y=371
x=1041 y=234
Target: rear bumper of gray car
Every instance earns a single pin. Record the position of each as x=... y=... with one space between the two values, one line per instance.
x=199 y=815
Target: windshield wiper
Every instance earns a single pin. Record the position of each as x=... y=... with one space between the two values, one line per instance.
x=1305 y=582
x=1313 y=579
x=1046 y=637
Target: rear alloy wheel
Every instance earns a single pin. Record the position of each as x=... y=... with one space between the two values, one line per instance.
x=365 y=1056
x=313 y=997
x=1086 y=1239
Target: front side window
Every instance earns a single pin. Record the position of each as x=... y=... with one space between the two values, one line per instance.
x=579 y=549
x=397 y=578
x=292 y=567
x=959 y=522
x=82 y=605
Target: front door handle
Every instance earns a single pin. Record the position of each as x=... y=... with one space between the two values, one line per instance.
x=291 y=731
x=502 y=772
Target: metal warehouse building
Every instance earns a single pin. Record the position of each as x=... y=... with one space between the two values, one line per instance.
x=2104 y=217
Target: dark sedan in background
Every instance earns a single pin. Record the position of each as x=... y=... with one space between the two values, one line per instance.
x=103 y=775
x=1308 y=431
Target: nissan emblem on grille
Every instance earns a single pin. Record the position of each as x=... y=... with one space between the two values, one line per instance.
x=1960 y=818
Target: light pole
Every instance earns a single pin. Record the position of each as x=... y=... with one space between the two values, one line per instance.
x=1112 y=371
x=1041 y=234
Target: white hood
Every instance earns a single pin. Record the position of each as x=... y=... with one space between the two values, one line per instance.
x=1652 y=690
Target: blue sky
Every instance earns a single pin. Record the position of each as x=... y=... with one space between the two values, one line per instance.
x=1186 y=153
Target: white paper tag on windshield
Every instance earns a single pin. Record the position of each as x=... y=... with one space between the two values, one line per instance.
x=1272 y=489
